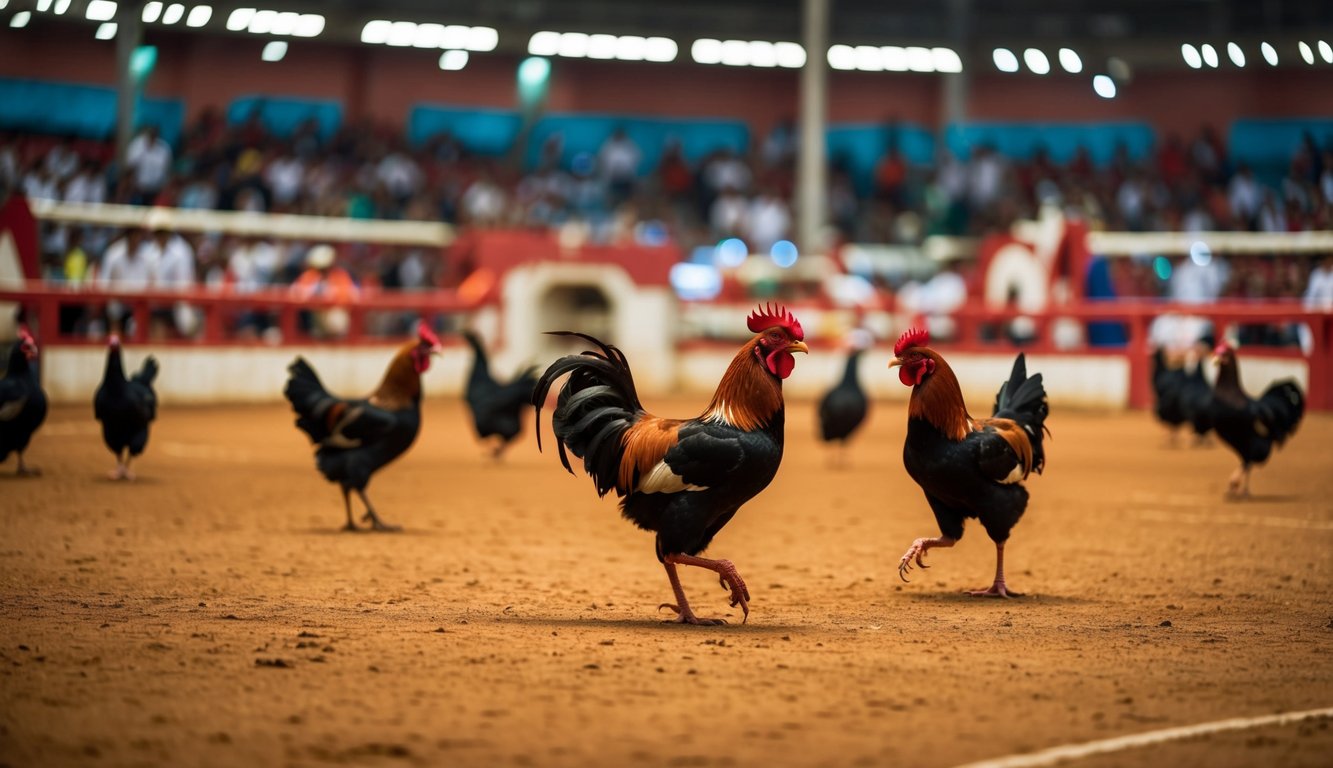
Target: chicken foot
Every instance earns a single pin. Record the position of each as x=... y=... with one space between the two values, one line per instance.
x=26 y=471
x=376 y=523
x=998 y=588
x=918 y=550
x=728 y=577
x=122 y=470
x=1238 y=487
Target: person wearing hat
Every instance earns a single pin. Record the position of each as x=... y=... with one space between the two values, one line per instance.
x=325 y=279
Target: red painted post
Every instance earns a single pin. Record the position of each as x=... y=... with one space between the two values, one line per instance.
x=1137 y=350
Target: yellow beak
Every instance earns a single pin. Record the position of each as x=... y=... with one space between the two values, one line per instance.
x=895 y=362
x=798 y=346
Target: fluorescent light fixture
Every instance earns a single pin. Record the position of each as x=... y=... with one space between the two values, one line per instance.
x=665 y=49
x=842 y=57
x=401 y=34
x=1070 y=60
x=735 y=53
x=99 y=10
x=1236 y=54
x=105 y=31
x=920 y=59
x=236 y=22
x=544 y=43
x=706 y=51
x=308 y=25
x=631 y=48
x=1191 y=56
x=428 y=36
x=946 y=60
x=1270 y=54
x=285 y=23
x=790 y=55
x=153 y=11
x=20 y=19
x=762 y=54
x=1104 y=86
x=376 y=32
x=1306 y=53
x=263 y=22
x=1036 y=61
x=601 y=47
x=274 y=50
x=482 y=39
x=869 y=58
x=62 y=6
x=452 y=61
x=43 y=6
x=199 y=16
x=574 y=45
x=893 y=58
x=174 y=13
x=1326 y=51
x=1209 y=55
x=1005 y=60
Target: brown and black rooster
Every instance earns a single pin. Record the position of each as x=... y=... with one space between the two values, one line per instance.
x=355 y=438
x=1251 y=427
x=22 y=400
x=683 y=479
x=968 y=467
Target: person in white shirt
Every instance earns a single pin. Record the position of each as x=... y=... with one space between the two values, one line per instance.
x=148 y=157
x=125 y=264
x=768 y=221
x=174 y=269
x=618 y=162
x=87 y=186
x=284 y=176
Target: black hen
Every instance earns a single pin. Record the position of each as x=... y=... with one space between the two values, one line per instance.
x=1251 y=427
x=22 y=401
x=843 y=408
x=355 y=438
x=125 y=407
x=496 y=408
x=969 y=467
x=1181 y=395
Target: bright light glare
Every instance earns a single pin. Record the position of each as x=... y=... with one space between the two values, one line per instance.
x=784 y=253
x=175 y=12
x=1191 y=55
x=428 y=36
x=153 y=11
x=842 y=57
x=263 y=22
x=1070 y=61
x=1200 y=253
x=43 y=6
x=665 y=49
x=1306 y=53
x=401 y=33
x=482 y=39
x=1326 y=51
x=544 y=43
x=1236 y=54
x=308 y=25
x=730 y=253
x=105 y=31
x=62 y=6
x=706 y=51
x=99 y=10
x=574 y=45
x=869 y=59
x=374 y=32
x=1036 y=61
x=790 y=55
x=1209 y=55
x=237 y=21
x=274 y=50
x=20 y=19
x=735 y=53
x=452 y=61
x=946 y=60
x=1270 y=54
x=1104 y=86
x=893 y=58
x=761 y=54
x=199 y=16
x=920 y=59
x=601 y=46
x=1005 y=60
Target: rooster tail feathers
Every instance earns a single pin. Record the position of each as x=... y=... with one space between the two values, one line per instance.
x=309 y=399
x=1280 y=409
x=147 y=372
x=595 y=407
x=1023 y=399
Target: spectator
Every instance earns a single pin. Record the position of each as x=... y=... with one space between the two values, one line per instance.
x=1319 y=290
x=767 y=221
x=618 y=165
x=148 y=157
x=88 y=185
x=284 y=175
x=1245 y=197
x=483 y=203
x=324 y=278
x=125 y=265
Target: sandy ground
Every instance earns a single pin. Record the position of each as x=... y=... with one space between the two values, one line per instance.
x=211 y=613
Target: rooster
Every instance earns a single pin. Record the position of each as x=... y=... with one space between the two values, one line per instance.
x=1251 y=427
x=968 y=467
x=125 y=408
x=22 y=401
x=1181 y=396
x=843 y=408
x=496 y=407
x=683 y=479
x=358 y=437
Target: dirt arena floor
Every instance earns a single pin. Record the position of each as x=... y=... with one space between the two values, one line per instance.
x=212 y=614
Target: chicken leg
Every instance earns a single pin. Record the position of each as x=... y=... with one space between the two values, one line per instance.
x=26 y=471
x=997 y=589
x=728 y=577
x=122 y=470
x=375 y=522
x=918 y=550
x=1238 y=487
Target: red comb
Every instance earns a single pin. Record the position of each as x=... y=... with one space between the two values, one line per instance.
x=912 y=337
x=768 y=316
x=426 y=335
x=1222 y=348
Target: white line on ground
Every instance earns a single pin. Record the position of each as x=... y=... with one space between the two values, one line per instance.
x=1056 y=755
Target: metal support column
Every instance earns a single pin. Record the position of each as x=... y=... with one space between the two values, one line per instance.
x=812 y=164
x=129 y=34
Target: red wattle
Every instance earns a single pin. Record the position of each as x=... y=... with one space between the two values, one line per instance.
x=781 y=363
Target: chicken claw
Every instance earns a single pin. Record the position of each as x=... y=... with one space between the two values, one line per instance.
x=687 y=616
x=917 y=551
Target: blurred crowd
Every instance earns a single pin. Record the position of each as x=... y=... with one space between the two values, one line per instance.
x=363 y=171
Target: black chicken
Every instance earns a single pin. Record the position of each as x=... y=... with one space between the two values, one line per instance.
x=1251 y=427
x=355 y=438
x=496 y=408
x=22 y=401
x=843 y=408
x=125 y=408
x=969 y=467
x=1181 y=396
x=682 y=478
